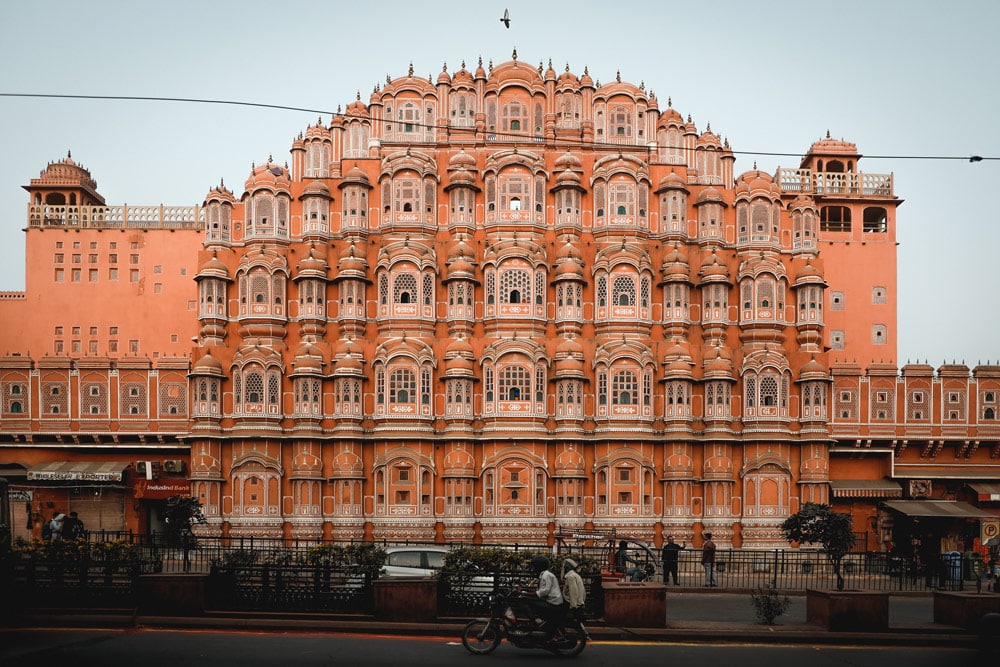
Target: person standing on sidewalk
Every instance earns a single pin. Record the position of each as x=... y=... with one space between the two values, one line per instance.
x=708 y=559
x=671 y=554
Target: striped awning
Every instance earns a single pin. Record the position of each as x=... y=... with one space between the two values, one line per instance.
x=83 y=471
x=865 y=488
x=954 y=509
x=987 y=491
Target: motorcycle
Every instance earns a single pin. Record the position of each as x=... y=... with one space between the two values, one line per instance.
x=511 y=618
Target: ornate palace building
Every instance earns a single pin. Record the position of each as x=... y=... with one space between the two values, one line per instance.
x=488 y=306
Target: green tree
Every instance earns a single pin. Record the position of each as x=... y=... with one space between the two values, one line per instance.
x=180 y=514
x=819 y=524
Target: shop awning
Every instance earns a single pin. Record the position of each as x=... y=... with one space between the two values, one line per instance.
x=84 y=471
x=954 y=509
x=865 y=488
x=987 y=490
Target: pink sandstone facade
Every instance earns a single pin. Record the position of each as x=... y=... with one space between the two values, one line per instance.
x=488 y=307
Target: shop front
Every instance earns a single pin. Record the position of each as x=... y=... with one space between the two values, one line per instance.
x=95 y=490
x=151 y=499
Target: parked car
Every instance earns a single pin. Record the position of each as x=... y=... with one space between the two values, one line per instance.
x=413 y=561
x=424 y=560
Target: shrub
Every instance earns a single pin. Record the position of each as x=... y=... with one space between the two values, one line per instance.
x=768 y=604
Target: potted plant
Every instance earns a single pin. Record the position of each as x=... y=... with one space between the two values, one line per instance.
x=837 y=610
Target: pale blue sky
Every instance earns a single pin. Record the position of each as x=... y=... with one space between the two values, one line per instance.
x=898 y=78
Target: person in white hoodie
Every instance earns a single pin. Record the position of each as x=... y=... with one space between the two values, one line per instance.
x=573 y=591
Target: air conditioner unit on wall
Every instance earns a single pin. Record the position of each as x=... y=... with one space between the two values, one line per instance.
x=173 y=465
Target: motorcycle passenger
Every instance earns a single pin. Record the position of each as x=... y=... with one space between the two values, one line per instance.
x=547 y=603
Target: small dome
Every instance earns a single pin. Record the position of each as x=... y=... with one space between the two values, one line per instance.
x=675 y=265
x=570 y=463
x=672 y=181
x=670 y=116
x=710 y=194
x=213 y=268
x=585 y=80
x=269 y=175
x=316 y=189
x=713 y=269
x=349 y=361
x=567 y=80
x=718 y=365
x=809 y=274
x=813 y=370
x=352 y=261
x=207 y=365
x=462 y=78
x=220 y=193
x=355 y=176
x=308 y=361
x=313 y=265
x=568 y=160
x=317 y=131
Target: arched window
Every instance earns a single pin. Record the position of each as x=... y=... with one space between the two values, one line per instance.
x=402 y=386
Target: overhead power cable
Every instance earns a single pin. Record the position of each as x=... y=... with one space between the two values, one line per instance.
x=514 y=136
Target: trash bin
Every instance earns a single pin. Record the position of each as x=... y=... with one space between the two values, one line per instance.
x=952 y=565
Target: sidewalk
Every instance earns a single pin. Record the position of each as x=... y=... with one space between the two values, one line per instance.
x=693 y=616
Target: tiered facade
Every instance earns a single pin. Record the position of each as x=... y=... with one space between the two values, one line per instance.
x=490 y=307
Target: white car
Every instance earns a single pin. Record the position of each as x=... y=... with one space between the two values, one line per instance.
x=423 y=560
x=413 y=561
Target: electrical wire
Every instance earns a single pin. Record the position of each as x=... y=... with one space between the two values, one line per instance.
x=513 y=136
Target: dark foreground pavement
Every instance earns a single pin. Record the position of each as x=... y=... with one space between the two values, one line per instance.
x=693 y=616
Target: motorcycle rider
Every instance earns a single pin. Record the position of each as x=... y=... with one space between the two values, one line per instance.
x=547 y=604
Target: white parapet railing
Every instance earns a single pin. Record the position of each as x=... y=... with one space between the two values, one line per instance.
x=808 y=181
x=116 y=217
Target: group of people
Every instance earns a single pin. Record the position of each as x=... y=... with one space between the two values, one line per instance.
x=62 y=527
x=671 y=559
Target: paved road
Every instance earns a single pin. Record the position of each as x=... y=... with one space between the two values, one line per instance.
x=156 y=648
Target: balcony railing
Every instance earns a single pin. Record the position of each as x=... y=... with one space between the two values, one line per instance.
x=116 y=217
x=808 y=181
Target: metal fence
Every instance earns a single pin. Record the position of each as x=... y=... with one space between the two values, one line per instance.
x=277 y=575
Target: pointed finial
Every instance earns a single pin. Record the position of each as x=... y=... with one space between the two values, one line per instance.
x=444 y=67
x=411 y=68
x=618 y=76
x=828 y=134
x=388 y=79
x=540 y=69
x=358 y=95
x=514 y=54
x=670 y=102
x=491 y=66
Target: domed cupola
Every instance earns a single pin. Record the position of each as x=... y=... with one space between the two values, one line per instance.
x=270 y=176
x=585 y=80
x=717 y=364
x=220 y=193
x=677 y=364
x=813 y=370
x=461 y=264
x=567 y=81
x=308 y=361
x=714 y=270
x=352 y=263
x=313 y=265
x=462 y=78
x=355 y=176
x=213 y=268
x=709 y=139
x=460 y=359
x=316 y=189
x=569 y=262
x=208 y=365
x=569 y=359
x=444 y=79
x=675 y=266
x=317 y=131
x=550 y=74
x=672 y=181
x=810 y=273
x=462 y=171
x=348 y=361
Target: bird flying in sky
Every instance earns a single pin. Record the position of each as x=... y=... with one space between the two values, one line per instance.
x=506 y=18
